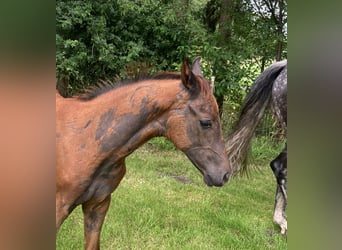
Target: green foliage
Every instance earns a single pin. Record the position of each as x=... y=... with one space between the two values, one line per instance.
x=250 y=48
x=105 y=39
x=87 y=46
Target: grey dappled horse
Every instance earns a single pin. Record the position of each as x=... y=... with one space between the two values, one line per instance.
x=270 y=88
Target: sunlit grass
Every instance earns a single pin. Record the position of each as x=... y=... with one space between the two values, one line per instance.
x=163 y=203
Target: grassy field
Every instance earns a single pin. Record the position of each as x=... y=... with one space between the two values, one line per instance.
x=163 y=203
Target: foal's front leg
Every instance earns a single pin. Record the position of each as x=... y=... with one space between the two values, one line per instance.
x=95 y=209
x=94 y=214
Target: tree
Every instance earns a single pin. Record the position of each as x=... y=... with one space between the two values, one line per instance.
x=274 y=11
x=103 y=39
x=247 y=33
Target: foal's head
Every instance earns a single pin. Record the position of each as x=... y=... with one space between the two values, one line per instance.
x=194 y=127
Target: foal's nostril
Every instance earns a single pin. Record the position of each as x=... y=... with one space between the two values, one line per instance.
x=226 y=177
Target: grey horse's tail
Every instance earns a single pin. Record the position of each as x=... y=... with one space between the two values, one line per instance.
x=256 y=101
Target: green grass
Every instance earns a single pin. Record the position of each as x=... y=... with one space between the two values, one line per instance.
x=163 y=203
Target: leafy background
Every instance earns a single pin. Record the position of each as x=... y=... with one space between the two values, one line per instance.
x=112 y=39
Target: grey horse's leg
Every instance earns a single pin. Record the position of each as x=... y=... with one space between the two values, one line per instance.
x=279 y=168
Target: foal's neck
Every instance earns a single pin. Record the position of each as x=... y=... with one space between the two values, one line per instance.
x=140 y=112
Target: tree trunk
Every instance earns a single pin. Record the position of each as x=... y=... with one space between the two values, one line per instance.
x=280 y=26
x=225 y=22
x=225 y=34
x=279 y=21
x=279 y=50
x=219 y=101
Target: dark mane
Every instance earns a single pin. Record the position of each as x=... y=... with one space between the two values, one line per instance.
x=167 y=75
x=104 y=86
x=94 y=91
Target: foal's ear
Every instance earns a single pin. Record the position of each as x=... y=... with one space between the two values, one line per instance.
x=188 y=75
x=196 y=66
x=185 y=72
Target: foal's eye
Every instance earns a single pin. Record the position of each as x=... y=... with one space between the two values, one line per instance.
x=205 y=124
